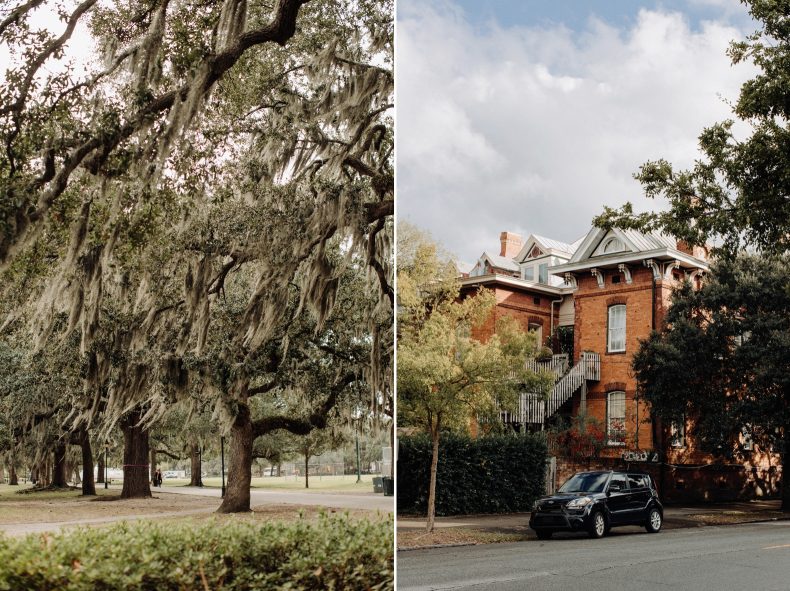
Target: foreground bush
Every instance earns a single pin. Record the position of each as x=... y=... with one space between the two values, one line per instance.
x=491 y=474
x=333 y=553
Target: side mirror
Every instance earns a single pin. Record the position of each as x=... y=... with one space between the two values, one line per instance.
x=613 y=488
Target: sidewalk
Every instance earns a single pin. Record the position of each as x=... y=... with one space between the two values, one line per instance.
x=515 y=526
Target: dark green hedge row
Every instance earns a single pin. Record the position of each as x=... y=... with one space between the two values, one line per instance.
x=492 y=474
x=333 y=553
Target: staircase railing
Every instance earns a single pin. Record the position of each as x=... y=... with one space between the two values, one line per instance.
x=558 y=365
x=533 y=408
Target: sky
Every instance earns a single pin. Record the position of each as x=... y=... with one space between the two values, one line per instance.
x=529 y=116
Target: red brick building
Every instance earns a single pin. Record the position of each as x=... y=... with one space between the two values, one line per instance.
x=592 y=301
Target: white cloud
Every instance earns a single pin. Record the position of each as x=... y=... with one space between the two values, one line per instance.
x=535 y=129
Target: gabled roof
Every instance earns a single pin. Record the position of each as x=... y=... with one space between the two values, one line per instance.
x=547 y=245
x=635 y=246
x=632 y=240
x=499 y=262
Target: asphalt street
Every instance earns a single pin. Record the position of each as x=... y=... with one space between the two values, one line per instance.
x=335 y=500
x=753 y=556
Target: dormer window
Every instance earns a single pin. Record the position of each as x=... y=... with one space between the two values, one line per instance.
x=614 y=244
x=543 y=273
x=529 y=273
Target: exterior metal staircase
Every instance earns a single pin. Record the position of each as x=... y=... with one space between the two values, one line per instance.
x=534 y=409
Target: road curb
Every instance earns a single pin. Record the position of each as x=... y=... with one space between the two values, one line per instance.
x=680 y=524
x=434 y=546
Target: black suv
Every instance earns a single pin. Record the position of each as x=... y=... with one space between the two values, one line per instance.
x=597 y=501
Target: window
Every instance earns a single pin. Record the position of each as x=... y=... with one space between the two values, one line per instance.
x=748 y=442
x=618 y=482
x=615 y=342
x=677 y=433
x=613 y=245
x=638 y=481
x=529 y=273
x=615 y=418
x=537 y=329
x=543 y=273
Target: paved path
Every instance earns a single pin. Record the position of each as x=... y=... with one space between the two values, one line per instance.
x=21 y=529
x=337 y=500
x=723 y=558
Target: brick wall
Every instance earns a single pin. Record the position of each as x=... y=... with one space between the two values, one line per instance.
x=759 y=476
x=519 y=305
x=590 y=334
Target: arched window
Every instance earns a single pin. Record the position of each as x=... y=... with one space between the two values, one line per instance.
x=613 y=245
x=615 y=341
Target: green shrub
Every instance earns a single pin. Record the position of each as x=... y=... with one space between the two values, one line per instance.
x=333 y=553
x=492 y=474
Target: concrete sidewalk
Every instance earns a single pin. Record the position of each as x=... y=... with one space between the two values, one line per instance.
x=674 y=517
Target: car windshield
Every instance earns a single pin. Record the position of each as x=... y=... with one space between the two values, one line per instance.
x=592 y=482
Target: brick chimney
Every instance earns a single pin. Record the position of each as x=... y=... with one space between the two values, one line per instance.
x=510 y=244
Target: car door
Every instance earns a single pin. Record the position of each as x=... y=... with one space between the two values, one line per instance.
x=618 y=498
x=639 y=497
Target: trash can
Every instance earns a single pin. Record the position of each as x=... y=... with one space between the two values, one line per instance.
x=378 y=485
x=389 y=488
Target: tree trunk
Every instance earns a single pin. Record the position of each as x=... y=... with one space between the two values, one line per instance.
x=786 y=472
x=306 y=470
x=88 y=485
x=432 y=485
x=237 y=493
x=135 y=458
x=12 y=477
x=196 y=466
x=100 y=468
x=59 y=466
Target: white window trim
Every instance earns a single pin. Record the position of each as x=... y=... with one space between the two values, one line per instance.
x=609 y=440
x=609 y=329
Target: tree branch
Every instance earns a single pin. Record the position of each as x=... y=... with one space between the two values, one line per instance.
x=303 y=426
x=52 y=47
x=99 y=147
x=15 y=14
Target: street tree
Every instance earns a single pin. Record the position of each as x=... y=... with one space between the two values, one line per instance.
x=447 y=377
x=737 y=192
x=730 y=340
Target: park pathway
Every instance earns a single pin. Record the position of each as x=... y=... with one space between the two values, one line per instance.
x=335 y=500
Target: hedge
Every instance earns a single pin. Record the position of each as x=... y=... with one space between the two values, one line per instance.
x=333 y=553
x=491 y=474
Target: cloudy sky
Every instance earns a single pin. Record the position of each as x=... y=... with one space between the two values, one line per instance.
x=530 y=116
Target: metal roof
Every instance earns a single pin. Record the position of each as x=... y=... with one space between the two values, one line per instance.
x=555 y=244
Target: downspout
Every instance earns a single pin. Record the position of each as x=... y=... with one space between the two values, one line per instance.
x=657 y=443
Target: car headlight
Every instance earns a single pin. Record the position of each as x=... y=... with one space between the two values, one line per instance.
x=536 y=505
x=579 y=503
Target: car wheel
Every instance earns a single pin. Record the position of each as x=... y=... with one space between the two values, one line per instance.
x=544 y=534
x=654 y=521
x=597 y=525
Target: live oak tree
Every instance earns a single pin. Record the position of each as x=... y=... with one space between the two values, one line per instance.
x=730 y=341
x=446 y=376
x=200 y=148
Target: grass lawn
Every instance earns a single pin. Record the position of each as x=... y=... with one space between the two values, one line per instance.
x=346 y=483
x=10 y=494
